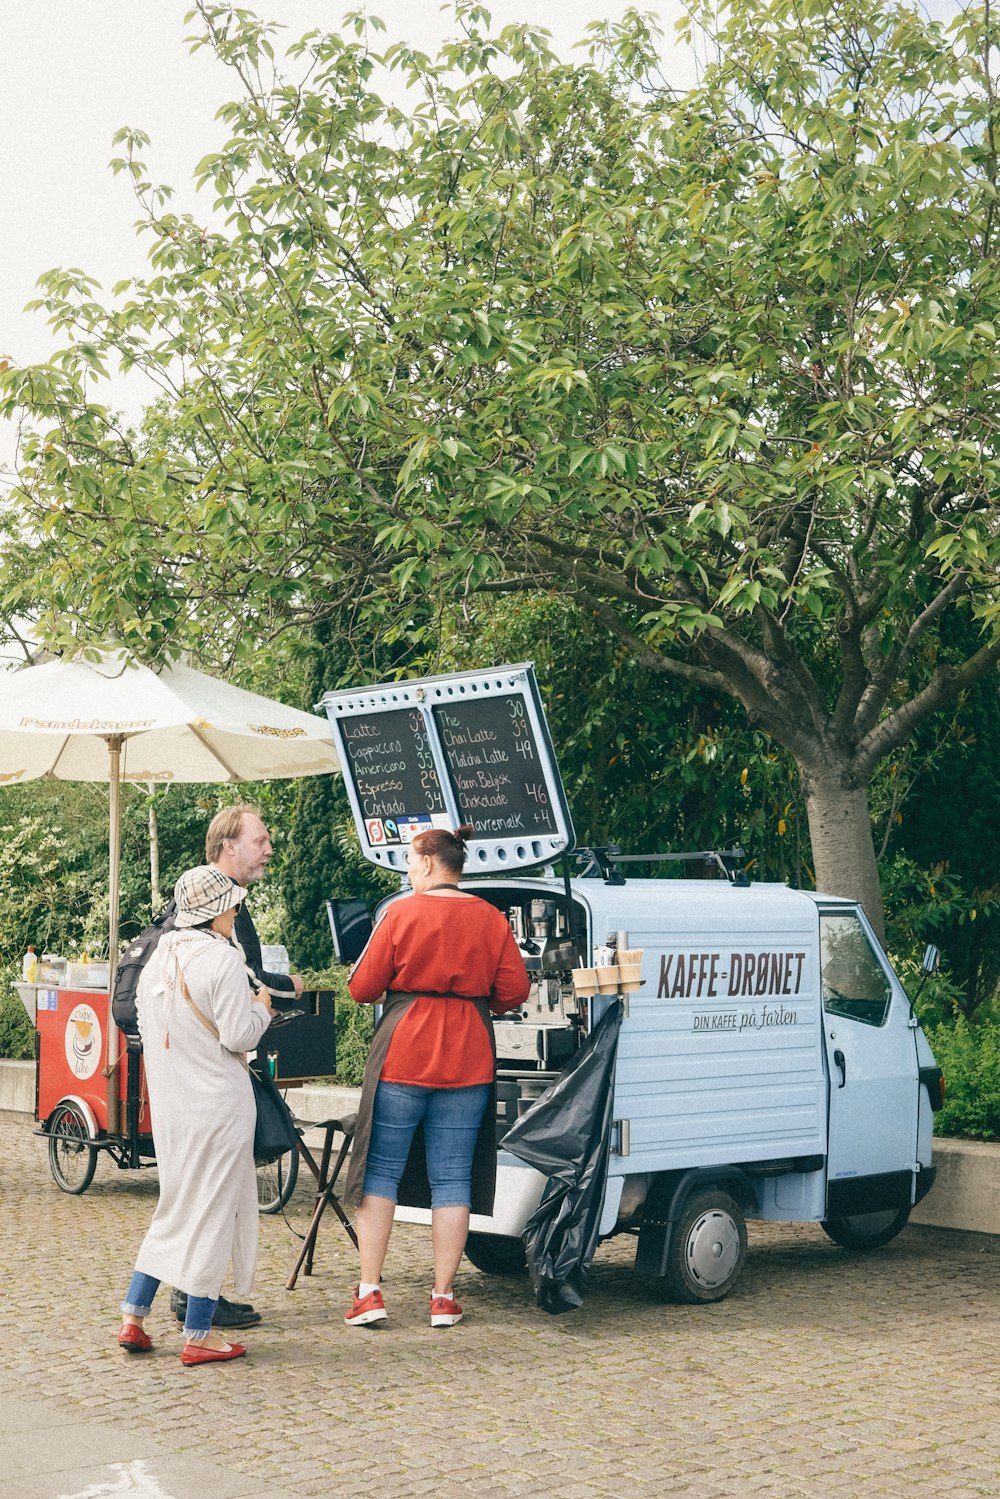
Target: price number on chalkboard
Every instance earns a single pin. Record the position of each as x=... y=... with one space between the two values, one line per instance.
x=520 y=729
x=426 y=768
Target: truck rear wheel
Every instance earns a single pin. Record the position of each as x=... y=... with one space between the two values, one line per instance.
x=866 y=1230
x=708 y=1249
x=496 y=1254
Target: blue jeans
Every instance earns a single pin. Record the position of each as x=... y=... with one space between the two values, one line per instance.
x=451 y=1118
x=200 y=1309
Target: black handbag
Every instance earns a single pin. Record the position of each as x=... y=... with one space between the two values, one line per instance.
x=275 y=1132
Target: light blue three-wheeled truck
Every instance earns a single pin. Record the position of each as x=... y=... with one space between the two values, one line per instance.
x=769 y=1064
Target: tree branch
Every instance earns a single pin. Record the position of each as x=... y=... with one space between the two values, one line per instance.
x=945 y=684
x=874 y=698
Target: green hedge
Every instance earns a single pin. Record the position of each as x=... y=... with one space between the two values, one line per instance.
x=968 y=1054
x=354 y=1034
x=17 y=1034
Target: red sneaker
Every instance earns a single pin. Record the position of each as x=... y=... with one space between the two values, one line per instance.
x=133 y=1339
x=368 y=1309
x=445 y=1311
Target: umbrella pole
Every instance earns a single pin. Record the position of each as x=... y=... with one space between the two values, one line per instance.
x=114 y=743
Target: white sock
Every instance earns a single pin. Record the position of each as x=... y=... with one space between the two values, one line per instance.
x=448 y=1295
x=365 y=1289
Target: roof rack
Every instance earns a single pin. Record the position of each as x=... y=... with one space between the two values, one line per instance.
x=603 y=863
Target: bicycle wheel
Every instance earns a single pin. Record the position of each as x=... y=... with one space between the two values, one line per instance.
x=276 y=1182
x=72 y=1158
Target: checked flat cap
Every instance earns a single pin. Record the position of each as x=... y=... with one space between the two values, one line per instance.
x=203 y=893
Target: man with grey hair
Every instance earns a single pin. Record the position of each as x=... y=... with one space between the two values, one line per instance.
x=238 y=843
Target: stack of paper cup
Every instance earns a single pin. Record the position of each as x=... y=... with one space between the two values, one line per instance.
x=629 y=966
x=584 y=981
x=607 y=978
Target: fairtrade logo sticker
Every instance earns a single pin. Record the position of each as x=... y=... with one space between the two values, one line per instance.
x=83 y=1041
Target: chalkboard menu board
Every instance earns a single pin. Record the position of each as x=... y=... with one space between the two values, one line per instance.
x=392 y=768
x=494 y=766
x=470 y=747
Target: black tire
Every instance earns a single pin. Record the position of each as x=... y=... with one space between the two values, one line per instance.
x=863 y=1231
x=276 y=1182
x=72 y=1159
x=708 y=1249
x=496 y=1254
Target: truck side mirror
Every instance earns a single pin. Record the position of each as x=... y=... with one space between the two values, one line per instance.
x=931 y=959
x=350 y=927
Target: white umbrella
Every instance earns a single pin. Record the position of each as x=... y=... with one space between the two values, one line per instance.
x=174 y=725
x=112 y=719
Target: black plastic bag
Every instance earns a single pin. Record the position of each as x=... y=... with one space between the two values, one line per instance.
x=567 y=1136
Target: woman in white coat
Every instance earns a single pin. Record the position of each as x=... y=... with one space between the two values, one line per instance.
x=198 y=1018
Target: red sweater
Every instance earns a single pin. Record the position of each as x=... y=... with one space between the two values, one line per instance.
x=448 y=944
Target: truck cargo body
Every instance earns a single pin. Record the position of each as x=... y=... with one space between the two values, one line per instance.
x=770 y=1053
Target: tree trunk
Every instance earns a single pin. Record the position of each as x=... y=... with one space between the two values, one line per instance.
x=841 y=833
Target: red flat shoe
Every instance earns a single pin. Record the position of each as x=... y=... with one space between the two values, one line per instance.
x=191 y=1354
x=133 y=1339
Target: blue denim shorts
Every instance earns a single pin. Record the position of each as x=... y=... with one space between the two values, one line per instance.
x=451 y=1118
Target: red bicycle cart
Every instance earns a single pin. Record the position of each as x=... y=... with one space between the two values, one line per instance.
x=71 y=1091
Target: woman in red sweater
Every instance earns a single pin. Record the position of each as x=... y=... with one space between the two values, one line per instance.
x=439 y=961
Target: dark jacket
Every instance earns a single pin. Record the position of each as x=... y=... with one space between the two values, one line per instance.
x=246 y=935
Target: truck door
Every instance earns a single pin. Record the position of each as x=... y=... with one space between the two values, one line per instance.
x=872 y=1060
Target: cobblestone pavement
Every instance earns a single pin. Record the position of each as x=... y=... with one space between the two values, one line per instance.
x=823 y=1374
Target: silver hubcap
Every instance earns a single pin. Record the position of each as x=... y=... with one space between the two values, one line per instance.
x=713 y=1248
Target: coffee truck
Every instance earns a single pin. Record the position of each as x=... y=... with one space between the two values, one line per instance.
x=769 y=1065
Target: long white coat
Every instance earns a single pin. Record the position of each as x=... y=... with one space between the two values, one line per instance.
x=203 y=1114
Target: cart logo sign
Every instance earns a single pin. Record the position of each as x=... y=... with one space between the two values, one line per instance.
x=83 y=1041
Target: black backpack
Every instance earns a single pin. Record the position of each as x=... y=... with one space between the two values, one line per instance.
x=130 y=965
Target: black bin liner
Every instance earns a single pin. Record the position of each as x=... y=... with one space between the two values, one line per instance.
x=566 y=1135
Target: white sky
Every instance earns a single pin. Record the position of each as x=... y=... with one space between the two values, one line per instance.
x=73 y=73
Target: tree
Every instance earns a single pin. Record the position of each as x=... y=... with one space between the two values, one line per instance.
x=719 y=367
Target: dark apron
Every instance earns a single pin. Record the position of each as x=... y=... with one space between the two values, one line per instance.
x=414 y=1188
